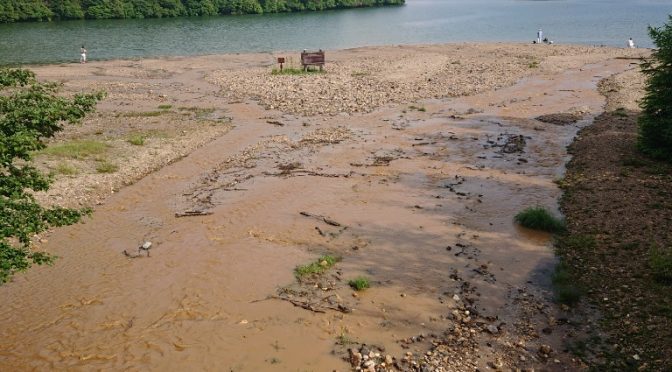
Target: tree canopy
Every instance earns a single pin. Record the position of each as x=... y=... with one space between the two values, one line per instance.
x=30 y=112
x=46 y=10
x=655 y=122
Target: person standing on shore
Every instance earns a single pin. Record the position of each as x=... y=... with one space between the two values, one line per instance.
x=540 y=35
x=82 y=55
x=631 y=44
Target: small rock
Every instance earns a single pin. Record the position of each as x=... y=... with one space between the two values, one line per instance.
x=493 y=329
x=545 y=349
x=388 y=360
x=355 y=358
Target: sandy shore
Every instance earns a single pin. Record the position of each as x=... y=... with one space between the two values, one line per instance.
x=408 y=162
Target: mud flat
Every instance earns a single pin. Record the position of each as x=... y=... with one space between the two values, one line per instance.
x=408 y=163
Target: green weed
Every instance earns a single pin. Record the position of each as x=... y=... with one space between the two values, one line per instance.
x=315 y=268
x=359 y=284
x=66 y=169
x=137 y=140
x=540 y=218
x=106 y=167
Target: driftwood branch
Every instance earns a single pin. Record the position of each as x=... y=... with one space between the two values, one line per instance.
x=192 y=213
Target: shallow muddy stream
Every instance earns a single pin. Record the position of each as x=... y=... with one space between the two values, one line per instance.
x=423 y=203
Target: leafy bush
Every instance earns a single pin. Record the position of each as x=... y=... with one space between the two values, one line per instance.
x=655 y=122
x=539 y=218
x=30 y=111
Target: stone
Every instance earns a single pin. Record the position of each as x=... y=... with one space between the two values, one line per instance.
x=492 y=329
x=388 y=360
x=545 y=349
x=355 y=358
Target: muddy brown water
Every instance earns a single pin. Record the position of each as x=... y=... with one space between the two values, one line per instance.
x=406 y=185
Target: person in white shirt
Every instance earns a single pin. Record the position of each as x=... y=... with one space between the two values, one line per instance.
x=82 y=55
x=631 y=44
x=540 y=35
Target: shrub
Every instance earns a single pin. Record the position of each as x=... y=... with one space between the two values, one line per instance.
x=30 y=111
x=539 y=218
x=655 y=122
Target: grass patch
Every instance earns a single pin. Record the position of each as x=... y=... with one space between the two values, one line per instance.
x=533 y=64
x=76 y=149
x=564 y=286
x=66 y=169
x=137 y=140
x=322 y=264
x=143 y=114
x=359 y=284
x=295 y=71
x=540 y=218
x=165 y=107
x=660 y=261
x=106 y=167
x=359 y=74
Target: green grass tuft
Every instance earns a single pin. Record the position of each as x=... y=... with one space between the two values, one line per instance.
x=76 y=149
x=137 y=140
x=143 y=114
x=315 y=268
x=66 y=169
x=105 y=167
x=359 y=284
x=540 y=218
x=165 y=107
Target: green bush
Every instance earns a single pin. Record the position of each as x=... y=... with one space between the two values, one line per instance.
x=655 y=122
x=539 y=218
x=30 y=112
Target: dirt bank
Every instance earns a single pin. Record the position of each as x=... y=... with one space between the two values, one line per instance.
x=617 y=205
x=414 y=192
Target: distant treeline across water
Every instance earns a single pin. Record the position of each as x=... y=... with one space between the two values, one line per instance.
x=47 y=10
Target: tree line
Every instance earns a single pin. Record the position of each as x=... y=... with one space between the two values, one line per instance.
x=48 y=10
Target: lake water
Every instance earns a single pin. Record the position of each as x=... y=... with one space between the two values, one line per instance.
x=594 y=22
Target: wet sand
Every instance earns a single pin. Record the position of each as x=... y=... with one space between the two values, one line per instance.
x=424 y=191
